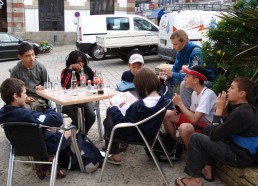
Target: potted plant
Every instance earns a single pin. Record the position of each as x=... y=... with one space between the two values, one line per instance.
x=45 y=47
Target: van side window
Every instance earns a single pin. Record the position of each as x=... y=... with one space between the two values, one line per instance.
x=142 y=24
x=117 y=23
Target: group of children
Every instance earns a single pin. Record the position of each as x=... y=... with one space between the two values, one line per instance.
x=204 y=128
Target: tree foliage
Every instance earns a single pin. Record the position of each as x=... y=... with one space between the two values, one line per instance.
x=232 y=48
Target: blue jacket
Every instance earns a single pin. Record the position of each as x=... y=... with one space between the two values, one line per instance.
x=182 y=59
x=49 y=118
x=136 y=112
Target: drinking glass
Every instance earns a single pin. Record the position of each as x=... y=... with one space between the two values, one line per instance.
x=162 y=77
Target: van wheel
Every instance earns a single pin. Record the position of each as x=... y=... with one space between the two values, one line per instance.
x=124 y=58
x=96 y=53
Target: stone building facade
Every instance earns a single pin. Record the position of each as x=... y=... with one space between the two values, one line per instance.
x=24 y=17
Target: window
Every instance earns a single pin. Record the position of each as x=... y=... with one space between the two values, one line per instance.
x=142 y=24
x=117 y=23
x=98 y=7
x=51 y=15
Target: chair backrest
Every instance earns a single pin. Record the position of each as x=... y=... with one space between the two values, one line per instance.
x=26 y=138
x=156 y=119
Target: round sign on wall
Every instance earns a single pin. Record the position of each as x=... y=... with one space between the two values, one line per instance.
x=151 y=6
x=77 y=14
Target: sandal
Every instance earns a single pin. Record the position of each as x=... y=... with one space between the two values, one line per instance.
x=60 y=173
x=114 y=162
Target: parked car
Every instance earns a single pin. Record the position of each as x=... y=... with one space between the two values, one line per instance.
x=9 y=46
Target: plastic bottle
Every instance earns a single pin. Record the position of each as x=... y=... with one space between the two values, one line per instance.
x=82 y=79
x=74 y=84
x=56 y=84
x=89 y=86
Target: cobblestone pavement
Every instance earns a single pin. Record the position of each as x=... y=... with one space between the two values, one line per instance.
x=137 y=168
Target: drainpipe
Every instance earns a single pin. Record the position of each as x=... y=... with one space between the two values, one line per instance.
x=12 y=28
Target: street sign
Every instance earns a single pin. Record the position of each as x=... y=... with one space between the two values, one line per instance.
x=77 y=14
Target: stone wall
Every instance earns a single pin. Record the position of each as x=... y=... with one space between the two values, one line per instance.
x=62 y=38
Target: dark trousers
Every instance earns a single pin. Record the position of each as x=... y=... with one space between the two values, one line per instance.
x=89 y=114
x=202 y=151
x=108 y=126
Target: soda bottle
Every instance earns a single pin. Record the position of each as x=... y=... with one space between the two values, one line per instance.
x=96 y=80
x=74 y=84
x=82 y=79
x=101 y=86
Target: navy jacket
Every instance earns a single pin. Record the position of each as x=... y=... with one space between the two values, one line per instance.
x=49 y=118
x=136 y=112
x=127 y=76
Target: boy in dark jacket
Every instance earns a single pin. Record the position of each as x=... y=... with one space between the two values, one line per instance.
x=233 y=141
x=136 y=62
x=13 y=93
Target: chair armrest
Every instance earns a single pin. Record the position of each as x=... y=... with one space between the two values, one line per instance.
x=69 y=127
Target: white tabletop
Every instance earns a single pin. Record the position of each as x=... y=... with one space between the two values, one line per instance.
x=64 y=97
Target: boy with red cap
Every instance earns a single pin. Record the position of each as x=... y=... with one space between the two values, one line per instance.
x=201 y=110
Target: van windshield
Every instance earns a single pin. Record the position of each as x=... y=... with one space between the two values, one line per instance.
x=142 y=24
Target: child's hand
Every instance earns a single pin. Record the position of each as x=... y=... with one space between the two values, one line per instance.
x=75 y=67
x=122 y=104
x=177 y=99
x=29 y=100
x=168 y=71
x=221 y=103
x=39 y=87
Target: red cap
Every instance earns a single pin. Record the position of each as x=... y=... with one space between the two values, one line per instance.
x=193 y=72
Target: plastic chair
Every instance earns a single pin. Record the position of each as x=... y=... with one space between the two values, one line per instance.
x=26 y=139
x=149 y=143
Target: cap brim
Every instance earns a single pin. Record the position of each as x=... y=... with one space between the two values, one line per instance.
x=193 y=72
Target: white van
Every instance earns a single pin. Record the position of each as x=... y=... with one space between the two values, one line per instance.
x=96 y=25
x=194 y=22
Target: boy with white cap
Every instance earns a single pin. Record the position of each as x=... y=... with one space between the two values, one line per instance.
x=136 y=62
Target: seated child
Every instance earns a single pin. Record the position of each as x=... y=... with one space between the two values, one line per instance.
x=13 y=93
x=136 y=62
x=76 y=61
x=201 y=110
x=150 y=101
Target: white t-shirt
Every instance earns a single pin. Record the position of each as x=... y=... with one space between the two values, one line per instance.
x=204 y=103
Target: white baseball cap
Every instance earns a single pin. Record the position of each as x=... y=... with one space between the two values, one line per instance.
x=136 y=58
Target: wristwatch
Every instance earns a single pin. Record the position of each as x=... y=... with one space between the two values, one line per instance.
x=216 y=120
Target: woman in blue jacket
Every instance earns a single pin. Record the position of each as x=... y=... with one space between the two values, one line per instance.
x=150 y=101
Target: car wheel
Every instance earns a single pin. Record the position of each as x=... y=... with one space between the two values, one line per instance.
x=96 y=53
x=36 y=51
x=124 y=58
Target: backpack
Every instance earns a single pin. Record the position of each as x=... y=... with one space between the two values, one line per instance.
x=90 y=154
x=174 y=148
